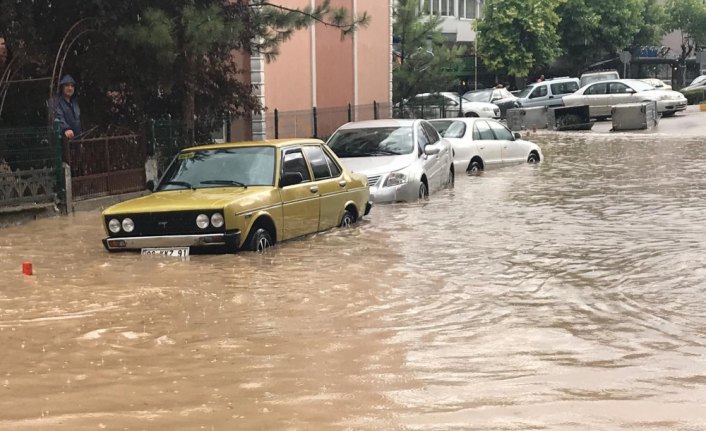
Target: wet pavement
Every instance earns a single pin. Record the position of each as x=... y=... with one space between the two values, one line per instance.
x=564 y=296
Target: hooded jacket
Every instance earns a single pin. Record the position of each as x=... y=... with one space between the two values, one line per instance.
x=67 y=112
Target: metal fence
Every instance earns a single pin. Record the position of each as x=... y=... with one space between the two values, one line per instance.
x=166 y=138
x=30 y=161
x=321 y=122
x=106 y=165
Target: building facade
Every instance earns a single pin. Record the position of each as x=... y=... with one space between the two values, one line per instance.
x=457 y=17
x=319 y=68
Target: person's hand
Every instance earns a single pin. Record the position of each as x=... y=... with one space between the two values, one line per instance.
x=69 y=134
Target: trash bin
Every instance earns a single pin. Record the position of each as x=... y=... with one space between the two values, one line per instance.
x=569 y=118
x=527 y=118
x=634 y=116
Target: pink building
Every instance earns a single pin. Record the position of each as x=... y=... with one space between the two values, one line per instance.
x=319 y=68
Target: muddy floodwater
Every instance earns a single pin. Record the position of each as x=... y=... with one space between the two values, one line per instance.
x=565 y=296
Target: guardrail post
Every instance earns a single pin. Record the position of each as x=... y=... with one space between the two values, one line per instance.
x=350 y=113
x=229 y=125
x=276 y=124
x=376 y=115
x=62 y=152
x=316 y=126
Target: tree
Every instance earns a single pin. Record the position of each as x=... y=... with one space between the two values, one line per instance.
x=146 y=57
x=653 y=22
x=592 y=29
x=425 y=63
x=688 y=17
x=518 y=35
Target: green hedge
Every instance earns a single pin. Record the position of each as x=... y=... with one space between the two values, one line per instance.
x=695 y=97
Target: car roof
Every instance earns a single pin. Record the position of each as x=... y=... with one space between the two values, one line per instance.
x=467 y=120
x=278 y=143
x=402 y=122
x=442 y=93
x=624 y=81
x=599 y=72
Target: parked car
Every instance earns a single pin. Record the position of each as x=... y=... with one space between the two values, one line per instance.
x=482 y=143
x=656 y=83
x=603 y=95
x=598 y=75
x=497 y=96
x=404 y=160
x=695 y=93
x=229 y=197
x=547 y=93
x=447 y=105
x=699 y=80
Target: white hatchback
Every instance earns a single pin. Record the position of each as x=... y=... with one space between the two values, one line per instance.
x=482 y=143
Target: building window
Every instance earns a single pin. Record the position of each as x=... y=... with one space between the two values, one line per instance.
x=440 y=7
x=467 y=9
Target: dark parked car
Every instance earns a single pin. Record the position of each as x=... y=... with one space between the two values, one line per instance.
x=498 y=96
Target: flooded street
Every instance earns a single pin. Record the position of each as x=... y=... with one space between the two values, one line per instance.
x=564 y=296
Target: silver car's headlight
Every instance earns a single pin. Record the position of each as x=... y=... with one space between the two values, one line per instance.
x=202 y=221
x=128 y=225
x=217 y=220
x=395 y=179
x=114 y=225
x=485 y=108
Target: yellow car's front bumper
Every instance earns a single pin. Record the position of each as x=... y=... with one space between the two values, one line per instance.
x=230 y=240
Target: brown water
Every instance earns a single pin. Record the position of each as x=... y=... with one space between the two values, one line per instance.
x=565 y=296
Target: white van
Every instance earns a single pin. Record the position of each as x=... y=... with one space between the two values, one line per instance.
x=547 y=93
x=599 y=75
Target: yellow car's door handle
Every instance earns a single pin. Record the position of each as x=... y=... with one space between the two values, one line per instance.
x=342 y=183
x=314 y=189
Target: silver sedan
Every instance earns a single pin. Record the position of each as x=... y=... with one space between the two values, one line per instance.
x=404 y=160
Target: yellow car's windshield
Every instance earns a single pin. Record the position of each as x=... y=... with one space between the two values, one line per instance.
x=223 y=167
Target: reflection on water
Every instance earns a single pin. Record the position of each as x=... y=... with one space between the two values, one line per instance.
x=564 y=296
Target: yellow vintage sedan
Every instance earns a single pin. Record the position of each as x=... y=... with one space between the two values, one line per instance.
x=246 y=195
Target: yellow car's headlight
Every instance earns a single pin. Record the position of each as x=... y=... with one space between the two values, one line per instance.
x=217 y=220
x=128 y=225
x=114 y=225
x=202 y=221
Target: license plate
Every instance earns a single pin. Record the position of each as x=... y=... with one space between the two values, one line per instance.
x=166 y=251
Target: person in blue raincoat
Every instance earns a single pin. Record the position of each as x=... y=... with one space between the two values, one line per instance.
x=66 y=108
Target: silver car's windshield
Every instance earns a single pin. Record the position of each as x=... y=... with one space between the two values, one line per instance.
x=479 y=96
x=699 y=80
x=223 y=167
x=374 y=141
x=450 y=128
x=524 y=93
x=641 y=86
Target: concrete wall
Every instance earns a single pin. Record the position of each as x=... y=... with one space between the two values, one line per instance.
x=289 y=77
x=374 y=53
x=317 y=68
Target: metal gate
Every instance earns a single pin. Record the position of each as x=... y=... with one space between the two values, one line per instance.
x=106 y=165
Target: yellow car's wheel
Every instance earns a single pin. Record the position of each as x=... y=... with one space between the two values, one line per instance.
x=348 y=219
x=260 y=240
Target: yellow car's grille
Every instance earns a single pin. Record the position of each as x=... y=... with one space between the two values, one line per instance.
x=164 y=223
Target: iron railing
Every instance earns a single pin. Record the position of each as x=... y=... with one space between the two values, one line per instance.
x=30 y=166
x=106 y=165
x=321 y=122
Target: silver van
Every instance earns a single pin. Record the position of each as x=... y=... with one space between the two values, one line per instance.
x=547 y=93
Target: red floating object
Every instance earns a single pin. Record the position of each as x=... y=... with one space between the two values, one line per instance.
x=27 y=268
